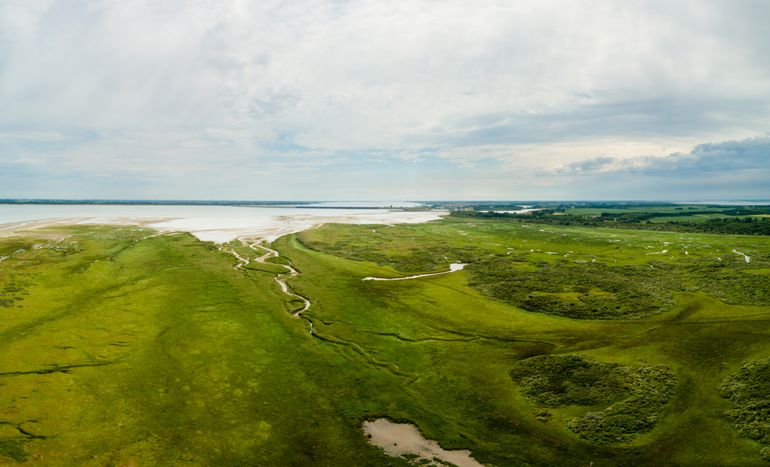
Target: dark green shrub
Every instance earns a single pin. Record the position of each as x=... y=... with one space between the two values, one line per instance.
x=749 y=390
x=628 y=399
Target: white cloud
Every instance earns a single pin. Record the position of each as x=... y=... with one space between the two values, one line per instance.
x=162 y=87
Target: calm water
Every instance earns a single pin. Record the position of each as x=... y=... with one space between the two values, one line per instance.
x=215 y=223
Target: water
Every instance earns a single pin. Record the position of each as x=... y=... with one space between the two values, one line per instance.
x=366 y=204
x=211 y=223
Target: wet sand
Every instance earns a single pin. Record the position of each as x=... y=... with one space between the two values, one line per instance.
x=218 y=224
x=398 y=439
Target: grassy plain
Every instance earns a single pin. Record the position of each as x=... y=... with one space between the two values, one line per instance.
x=118 y=349
x=122 y=351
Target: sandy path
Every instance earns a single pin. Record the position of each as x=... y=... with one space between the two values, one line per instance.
x=452 y=268
x=398 y=439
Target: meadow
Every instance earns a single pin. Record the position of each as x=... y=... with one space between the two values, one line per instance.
x=555 y=345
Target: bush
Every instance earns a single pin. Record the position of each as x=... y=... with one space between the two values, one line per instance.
x=749 y=390
x=602 y=291
x=629 y=398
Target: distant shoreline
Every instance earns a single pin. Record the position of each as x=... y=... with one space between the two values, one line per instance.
x=442 y=204
x=234 y=203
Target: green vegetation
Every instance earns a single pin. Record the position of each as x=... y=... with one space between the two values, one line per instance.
x=583 y=291
x=629 y=399
x=157 y=352
x=749 y=390
x=552 y=381
x=582 y=273
x=739 y=220
x=119 y=349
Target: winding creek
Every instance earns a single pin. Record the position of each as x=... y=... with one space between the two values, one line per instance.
x=395 y=439
x=746 y=257
x=286 y=289
x=452 y=268
x=279 y=278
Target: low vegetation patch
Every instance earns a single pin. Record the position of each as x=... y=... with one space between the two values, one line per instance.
x=749 y=390
x=426 y=258
x=732 y=284
x=588 y=291
x=627 y=400
x=726 y=220
x=13 y=449
x=12 y=290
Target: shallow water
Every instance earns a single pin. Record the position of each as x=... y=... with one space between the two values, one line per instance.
x=452 y=268
x=212 y=223
x=398 y=439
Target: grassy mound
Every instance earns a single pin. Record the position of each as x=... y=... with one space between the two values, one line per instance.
x=749 y=389
x=587 y=291
x=570 y=380
x=731 y=283
x=628 y=399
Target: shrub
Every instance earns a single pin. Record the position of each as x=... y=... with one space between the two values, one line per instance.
x=749 y=390
x=628 y=399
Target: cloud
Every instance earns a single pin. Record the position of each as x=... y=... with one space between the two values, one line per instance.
x=738 y=169
x=751 y=154
x=474 y=92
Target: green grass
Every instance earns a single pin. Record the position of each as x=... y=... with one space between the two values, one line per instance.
x=577 y=272
x=157 y=351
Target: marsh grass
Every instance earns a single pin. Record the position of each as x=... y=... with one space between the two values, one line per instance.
x=160 y=352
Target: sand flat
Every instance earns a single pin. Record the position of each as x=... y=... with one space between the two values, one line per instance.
x=218 y=224
x=398 y=439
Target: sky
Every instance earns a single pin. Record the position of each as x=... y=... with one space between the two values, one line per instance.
x=385 y=99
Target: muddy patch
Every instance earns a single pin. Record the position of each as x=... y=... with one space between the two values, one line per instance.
x=405 y=440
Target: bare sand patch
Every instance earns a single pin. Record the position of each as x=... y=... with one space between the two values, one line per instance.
x=400 y=439
x=219 y=224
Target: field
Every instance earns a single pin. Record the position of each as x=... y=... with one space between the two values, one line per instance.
x=556 y=345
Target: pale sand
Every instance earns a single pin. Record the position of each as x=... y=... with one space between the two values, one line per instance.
x=452 y=268
x=397 y=439
x=238 y=222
